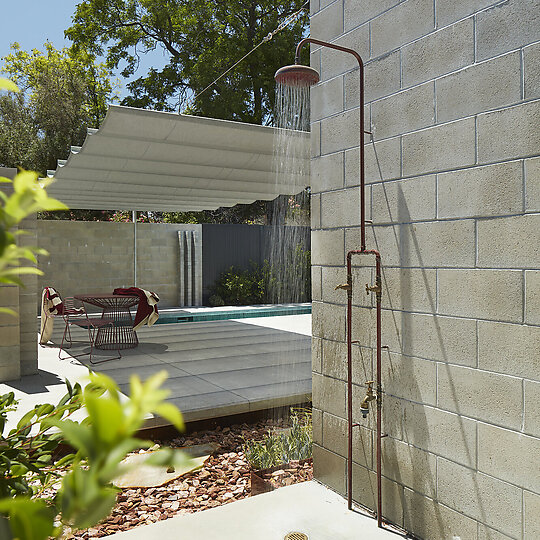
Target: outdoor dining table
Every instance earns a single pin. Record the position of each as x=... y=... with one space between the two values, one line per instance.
x=115 y=307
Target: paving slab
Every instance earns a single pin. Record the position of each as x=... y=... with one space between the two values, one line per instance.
x=310 y=508
x=216 y=368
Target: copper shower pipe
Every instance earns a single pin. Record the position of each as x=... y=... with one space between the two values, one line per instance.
x=349 y=288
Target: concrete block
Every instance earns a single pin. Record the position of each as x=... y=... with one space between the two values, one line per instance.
x=507 y=26
x=336 y=62
x=316 y=354
x=409 y=289
x=531 y=68
x=334 y=354
x=409 y=466
x=531 y=511
x=480 y=497
x=532 y=297
x=481 y=191
x=365 y=493
x=316 y=283
x=341 y=208
x=509 y=242
x=404 y=23
x=382 y=77
x=484 y=86
x=333 y=276
x=327 y=24
x=450 y=12
x=531 y=417
x=439 y=148
x=315 y=139
x=327 y=172
x=509 y=348
x=315 y=211
x=509 y=455
x=341 y=131
x=532 y=185
x=509 y=133
x=335 y=439
x=483 y=395
x=10 y=373
x=486 y=533
x=409 y=378
x=9 y=335
x=327 y=98
x=416 y=108
x=482 y=294
x=441 y=52
x=363 y=326
x=327 y=247
x=370 y=8
x=404 y=201
x=436 y=244
x=328 y=321
x=440 y=432
x=426 y=518
x=9 y=295
x=329 y=395
x=317 y=417
x=9 y=355
x=329 y=468
x=382 y=162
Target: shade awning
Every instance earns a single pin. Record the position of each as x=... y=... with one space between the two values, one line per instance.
x=151 y=160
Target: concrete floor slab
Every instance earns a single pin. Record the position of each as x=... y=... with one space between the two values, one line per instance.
x=216 y=368
x=309 y=507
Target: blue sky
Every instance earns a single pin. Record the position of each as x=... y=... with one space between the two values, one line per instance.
x=32 y=22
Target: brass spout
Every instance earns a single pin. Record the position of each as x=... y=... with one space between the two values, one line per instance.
x=345 y=286
x=370 y=396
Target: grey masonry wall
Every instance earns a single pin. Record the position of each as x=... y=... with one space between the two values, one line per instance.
x=453 y=174
x=18 y=335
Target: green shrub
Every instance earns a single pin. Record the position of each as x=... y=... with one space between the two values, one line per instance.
x=266 y=283
x=278 y=448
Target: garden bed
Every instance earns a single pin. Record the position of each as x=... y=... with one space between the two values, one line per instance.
x=224 y=478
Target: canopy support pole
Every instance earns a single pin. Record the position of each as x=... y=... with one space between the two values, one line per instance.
x=134 y=218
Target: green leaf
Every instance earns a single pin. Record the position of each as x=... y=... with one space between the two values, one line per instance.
x=106 y=417
x=28 y=519
x=6 y=84
x=171 y=413
x=77 y=435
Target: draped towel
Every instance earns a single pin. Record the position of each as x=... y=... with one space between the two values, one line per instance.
x=147 y=312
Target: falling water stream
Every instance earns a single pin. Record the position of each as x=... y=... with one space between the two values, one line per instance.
x=289 y=260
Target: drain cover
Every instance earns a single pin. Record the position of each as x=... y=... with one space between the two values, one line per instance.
x=296 y=536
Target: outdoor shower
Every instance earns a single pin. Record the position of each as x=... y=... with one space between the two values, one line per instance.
x=300 y=75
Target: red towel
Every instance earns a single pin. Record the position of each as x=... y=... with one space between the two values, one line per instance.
x=147 y=312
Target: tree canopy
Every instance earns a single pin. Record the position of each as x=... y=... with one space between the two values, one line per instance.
x=202 y=39
x=62 y=93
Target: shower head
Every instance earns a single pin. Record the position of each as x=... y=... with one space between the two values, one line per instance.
x=297 y=75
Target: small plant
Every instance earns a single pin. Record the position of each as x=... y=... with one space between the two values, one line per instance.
x=278 y=448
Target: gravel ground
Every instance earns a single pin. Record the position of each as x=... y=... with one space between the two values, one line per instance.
x=224 y=478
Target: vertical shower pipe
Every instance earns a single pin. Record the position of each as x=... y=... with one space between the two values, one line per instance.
x=134 y=218
x=348 y=287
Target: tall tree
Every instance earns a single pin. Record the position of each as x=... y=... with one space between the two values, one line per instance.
x=62 y=93
x=202 y=39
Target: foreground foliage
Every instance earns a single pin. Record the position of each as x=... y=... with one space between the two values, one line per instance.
x=85 y=493
x=278 y=448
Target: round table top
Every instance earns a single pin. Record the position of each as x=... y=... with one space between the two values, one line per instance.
x=109 y=300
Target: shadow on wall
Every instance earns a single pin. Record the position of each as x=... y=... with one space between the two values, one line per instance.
x=411 y=434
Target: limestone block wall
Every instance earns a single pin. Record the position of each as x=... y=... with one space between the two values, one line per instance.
x=453 y=176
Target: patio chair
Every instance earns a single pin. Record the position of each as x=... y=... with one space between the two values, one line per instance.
x=74 y=313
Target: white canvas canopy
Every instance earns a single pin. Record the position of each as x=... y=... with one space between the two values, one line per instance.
x=150 y=160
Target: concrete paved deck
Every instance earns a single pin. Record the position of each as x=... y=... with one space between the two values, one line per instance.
x=309 y=507
x=216 y=368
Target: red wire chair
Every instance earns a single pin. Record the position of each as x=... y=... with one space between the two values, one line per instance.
x=74 y=313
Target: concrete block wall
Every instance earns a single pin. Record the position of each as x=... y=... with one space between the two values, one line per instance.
x=97 y=257
x=18 y=335
x=453 y=175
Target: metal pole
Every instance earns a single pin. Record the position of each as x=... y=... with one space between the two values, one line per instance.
x=134 y=218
